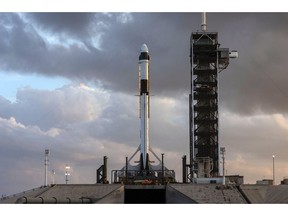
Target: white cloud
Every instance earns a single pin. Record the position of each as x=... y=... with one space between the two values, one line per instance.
x=70 y=104
x=11 y=123
x=124 y=18
x=53 y=132
x=281 y=121
x=80 y=140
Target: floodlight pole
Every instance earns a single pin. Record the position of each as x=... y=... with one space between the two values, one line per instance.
x=67 y=173
x=273 y=158
x=222 y=151
x=46 y=166
x=53 y=176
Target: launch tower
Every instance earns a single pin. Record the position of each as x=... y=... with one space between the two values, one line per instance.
x=207 y=60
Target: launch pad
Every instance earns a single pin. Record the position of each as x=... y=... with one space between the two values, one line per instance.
x=148 y=194
x=143 y=170
x=128 y=194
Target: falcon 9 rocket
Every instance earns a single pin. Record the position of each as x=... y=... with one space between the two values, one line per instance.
x=144 y=105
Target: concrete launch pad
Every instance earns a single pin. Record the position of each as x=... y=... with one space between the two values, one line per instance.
x=148 y=194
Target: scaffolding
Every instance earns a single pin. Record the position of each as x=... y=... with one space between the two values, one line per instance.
x=207 y=60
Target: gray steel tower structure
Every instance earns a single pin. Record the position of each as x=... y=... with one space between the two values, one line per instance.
x=207 y=60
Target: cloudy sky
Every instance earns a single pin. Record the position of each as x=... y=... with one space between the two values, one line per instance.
x=68 y=83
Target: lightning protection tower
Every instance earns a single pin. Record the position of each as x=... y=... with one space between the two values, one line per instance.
x=207 y=60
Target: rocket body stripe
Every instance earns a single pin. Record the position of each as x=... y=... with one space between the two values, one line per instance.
x=144 y=102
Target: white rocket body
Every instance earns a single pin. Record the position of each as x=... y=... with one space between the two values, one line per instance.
x=144 y=102
x=144 y=168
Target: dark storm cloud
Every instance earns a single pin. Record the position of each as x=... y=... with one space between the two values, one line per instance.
x=167 y=40
x=75 y=24
x=115 y=64
x=23 y=49
x=255 y=82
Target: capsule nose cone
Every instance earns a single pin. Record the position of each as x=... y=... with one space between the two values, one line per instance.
x=144 y=48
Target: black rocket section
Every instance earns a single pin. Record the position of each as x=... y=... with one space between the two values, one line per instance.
x=144 y=85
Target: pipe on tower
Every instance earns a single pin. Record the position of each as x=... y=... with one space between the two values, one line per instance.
x=204 y=25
